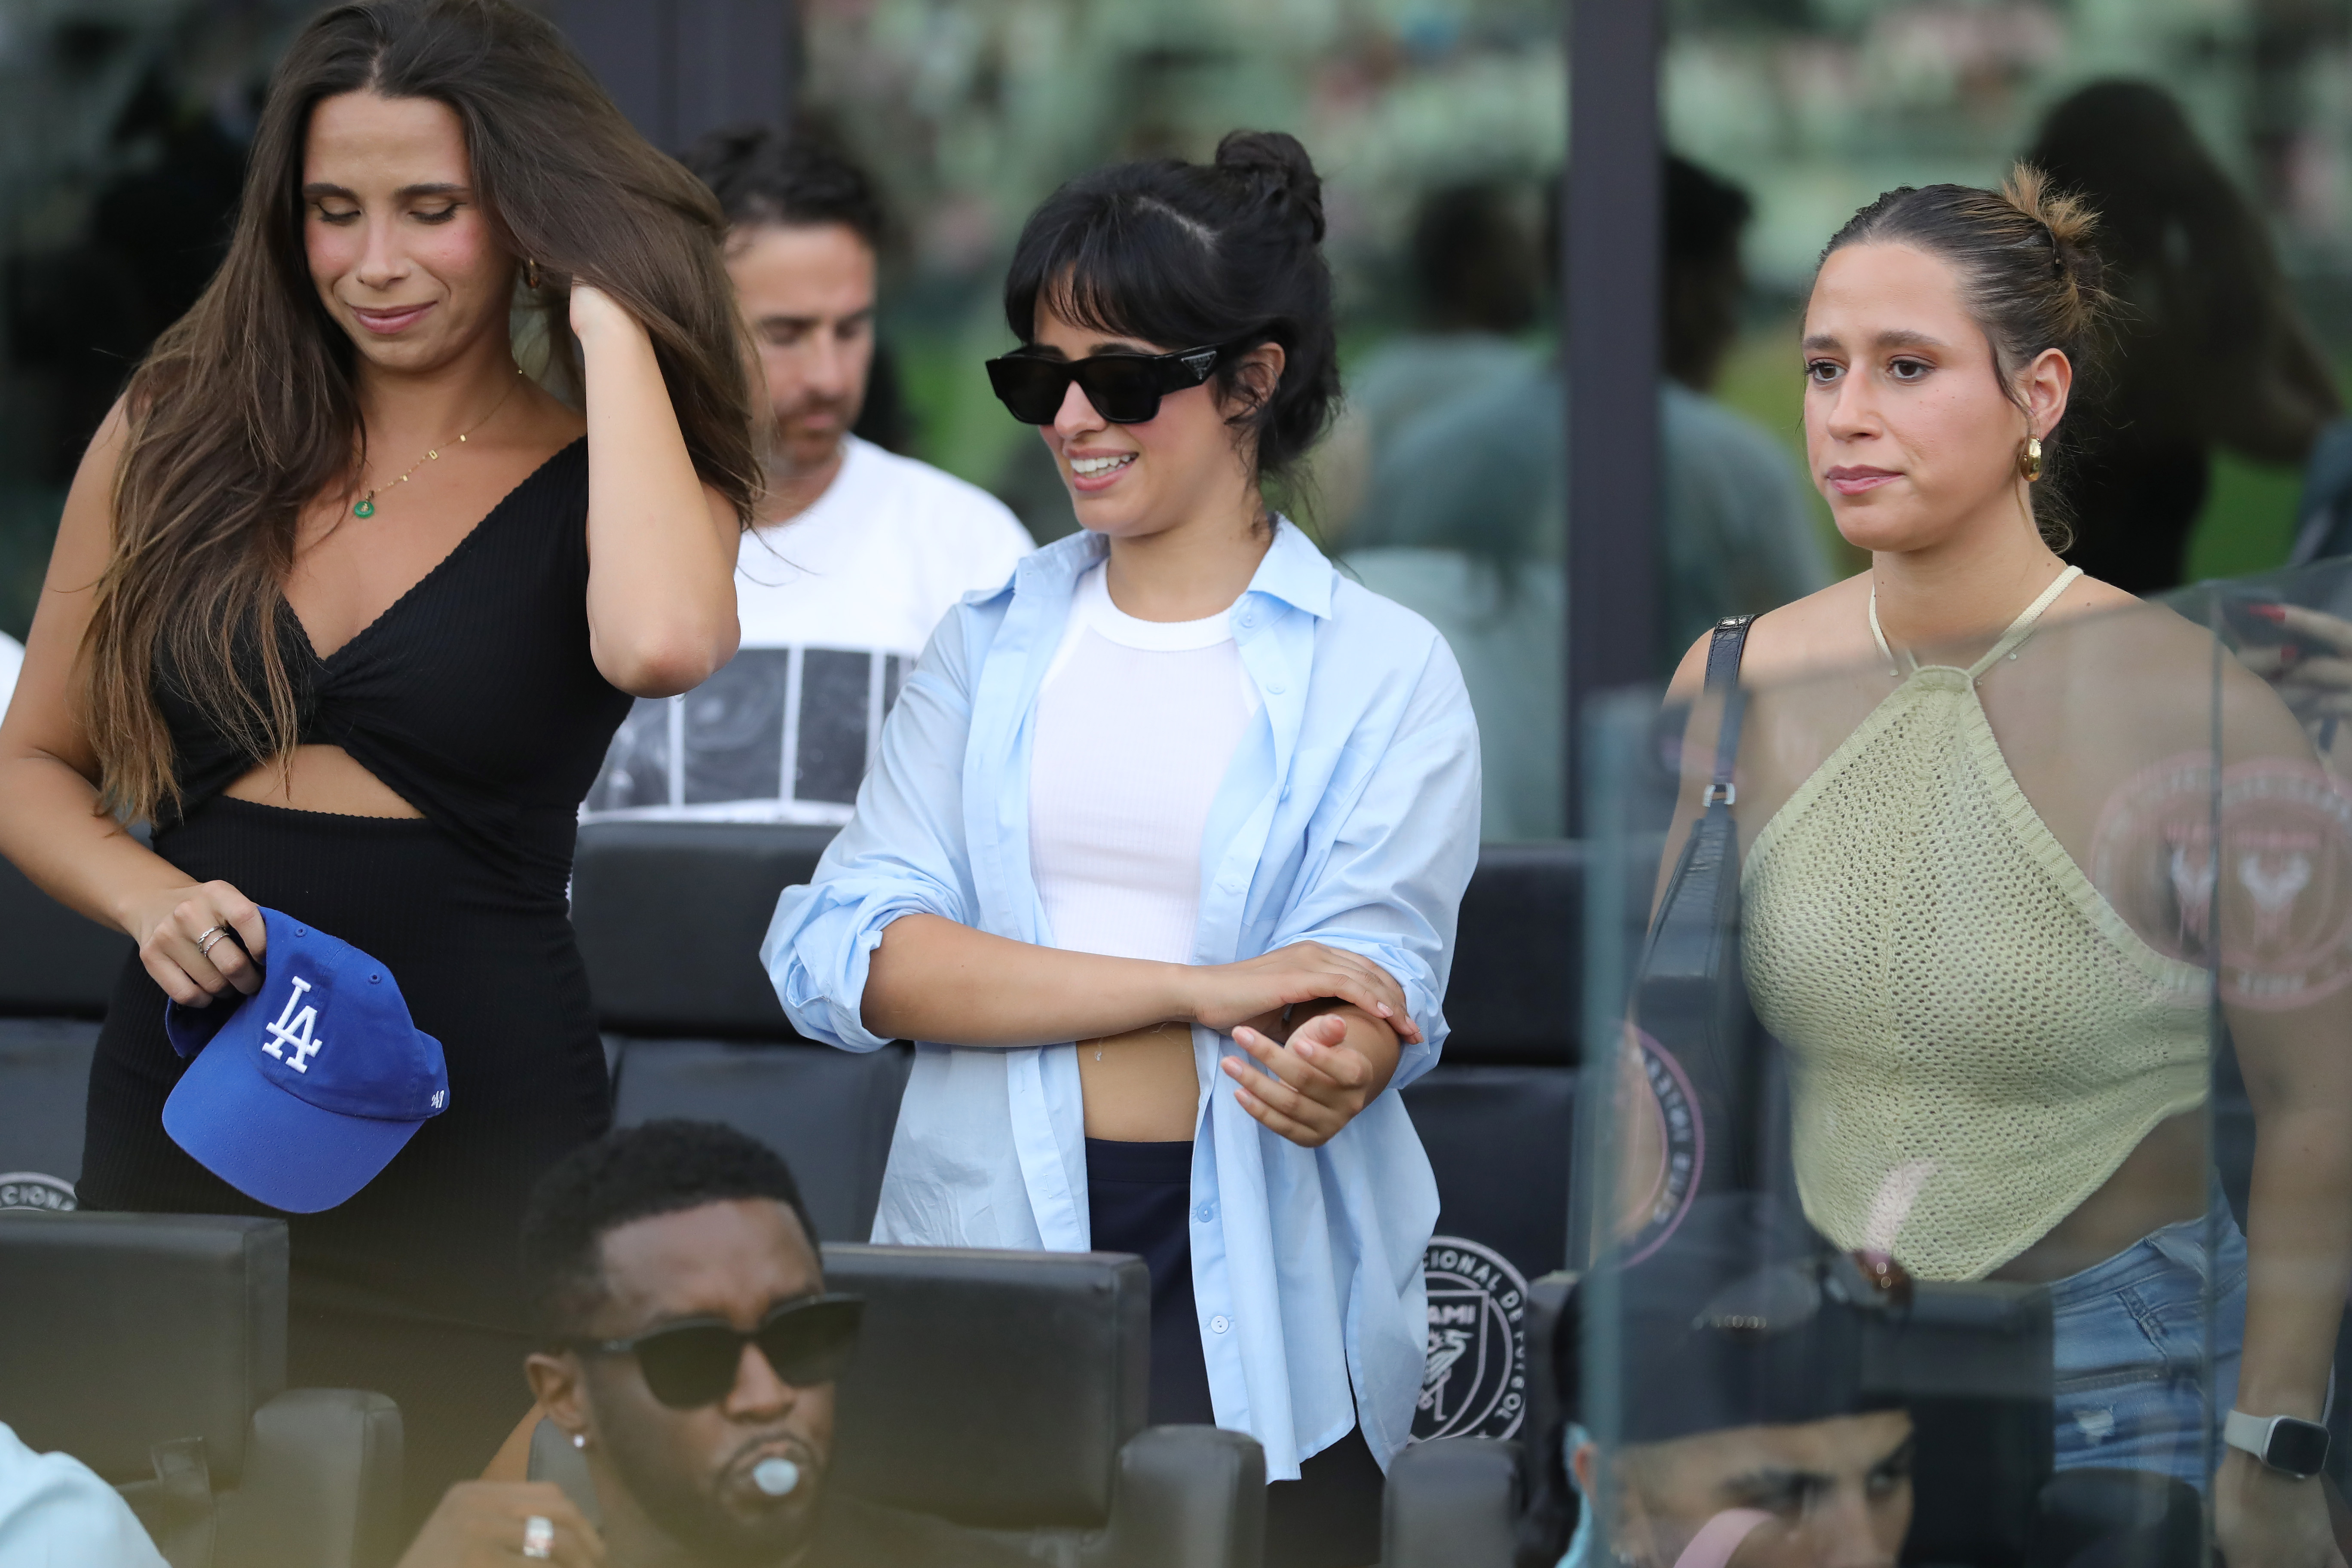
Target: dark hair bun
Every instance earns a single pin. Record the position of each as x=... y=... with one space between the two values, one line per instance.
x=1276 y=159
x=1183 y=254
x=2073 y=225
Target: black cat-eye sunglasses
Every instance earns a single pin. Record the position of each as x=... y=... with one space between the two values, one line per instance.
x=1125 y=389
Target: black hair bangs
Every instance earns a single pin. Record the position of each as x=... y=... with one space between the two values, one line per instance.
x=1125 y=266
x=1175 y=256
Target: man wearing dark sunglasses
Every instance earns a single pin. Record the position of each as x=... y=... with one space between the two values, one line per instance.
x=692 y=1354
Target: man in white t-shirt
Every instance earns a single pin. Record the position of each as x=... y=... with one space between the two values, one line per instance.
x=858 y=552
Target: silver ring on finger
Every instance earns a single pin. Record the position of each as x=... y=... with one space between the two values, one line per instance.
x=539 y=1538
x=204 y=942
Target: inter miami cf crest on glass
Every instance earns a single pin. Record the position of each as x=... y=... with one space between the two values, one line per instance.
x=1474 y=1382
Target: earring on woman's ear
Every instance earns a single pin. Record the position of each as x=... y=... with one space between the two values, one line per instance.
x=2029 y=462
x=530 y=274
x=580 y=1439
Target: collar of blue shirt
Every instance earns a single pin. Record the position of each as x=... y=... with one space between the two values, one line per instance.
x=1294 y=572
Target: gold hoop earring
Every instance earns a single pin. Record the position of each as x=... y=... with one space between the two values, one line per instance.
x=530 y=275
x=2029 y=462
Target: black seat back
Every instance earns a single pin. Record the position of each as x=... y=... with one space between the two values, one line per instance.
x=150 y=1329
x=44 y=1083
x=993 y=1388
x=160 y=1365
x=669 y=917
x=53 y=963
x=1517 y=992
x=829 y=1113
x=55 y=972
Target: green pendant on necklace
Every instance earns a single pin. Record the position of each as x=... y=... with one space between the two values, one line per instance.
x=366 y=504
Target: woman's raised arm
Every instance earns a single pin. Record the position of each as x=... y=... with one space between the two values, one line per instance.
x=661 y=543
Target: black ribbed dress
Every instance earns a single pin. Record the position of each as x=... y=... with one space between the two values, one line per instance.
x=473 y=697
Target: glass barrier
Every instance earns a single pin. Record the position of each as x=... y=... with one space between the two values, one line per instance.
x=1966 y=1029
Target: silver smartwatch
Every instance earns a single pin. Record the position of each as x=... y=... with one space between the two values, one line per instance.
x=2287 y=1444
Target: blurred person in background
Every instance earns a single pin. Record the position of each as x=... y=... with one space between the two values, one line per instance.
x=1745 y=1433
x=1465 y=520
x=688 y=1355
x=1478 y=286
x=348 y=608
x=2208 y=347
x=855 y=552
x=1999 y=1068
x=1162 y=860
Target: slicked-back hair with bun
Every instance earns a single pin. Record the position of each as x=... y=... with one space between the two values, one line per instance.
x=2029 y=275
x=1186 y=255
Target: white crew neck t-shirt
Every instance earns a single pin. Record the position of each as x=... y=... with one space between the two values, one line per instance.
x=1136 y=724
x=834 y=605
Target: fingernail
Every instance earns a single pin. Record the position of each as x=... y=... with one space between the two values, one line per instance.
x=1386 y=1011
x=2268 y=612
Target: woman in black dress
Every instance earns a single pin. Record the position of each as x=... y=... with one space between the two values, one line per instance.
x=348 y=607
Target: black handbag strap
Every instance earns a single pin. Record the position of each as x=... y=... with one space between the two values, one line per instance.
x=1724 y=652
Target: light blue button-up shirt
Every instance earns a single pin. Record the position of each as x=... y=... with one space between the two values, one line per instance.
x=1348 y=816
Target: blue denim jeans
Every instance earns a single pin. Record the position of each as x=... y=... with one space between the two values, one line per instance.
x=2131 y=1350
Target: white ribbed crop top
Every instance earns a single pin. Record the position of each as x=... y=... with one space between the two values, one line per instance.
x=1977 y=1039
x=1137 y=725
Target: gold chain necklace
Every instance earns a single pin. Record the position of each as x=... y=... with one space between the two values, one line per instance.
x=365 y=506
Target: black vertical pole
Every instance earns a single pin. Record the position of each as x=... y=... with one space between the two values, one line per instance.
x=679 y=68
x=1615 y=161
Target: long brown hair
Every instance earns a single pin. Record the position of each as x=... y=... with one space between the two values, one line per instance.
x=247 y=410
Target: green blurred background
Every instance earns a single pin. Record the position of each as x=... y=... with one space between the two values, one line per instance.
x=121 y=123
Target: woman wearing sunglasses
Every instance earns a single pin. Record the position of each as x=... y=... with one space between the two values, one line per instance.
x=1160 y=860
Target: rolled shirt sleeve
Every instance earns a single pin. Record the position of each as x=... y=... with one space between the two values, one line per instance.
x=903 y=853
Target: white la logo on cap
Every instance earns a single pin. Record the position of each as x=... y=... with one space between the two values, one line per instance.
x=295 y=1029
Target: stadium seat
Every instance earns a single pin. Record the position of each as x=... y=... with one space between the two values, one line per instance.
x=53 y=964
x=1004 y=1392
x=1516 y=993
x=56 y=970
x=671 y=915
x=43 y=1081
x=1455 y=1502
x=829 y=1113
x=162 y=1365
x=1499 y=1139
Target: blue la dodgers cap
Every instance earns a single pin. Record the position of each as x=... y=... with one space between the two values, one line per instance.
x=301 y=1093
